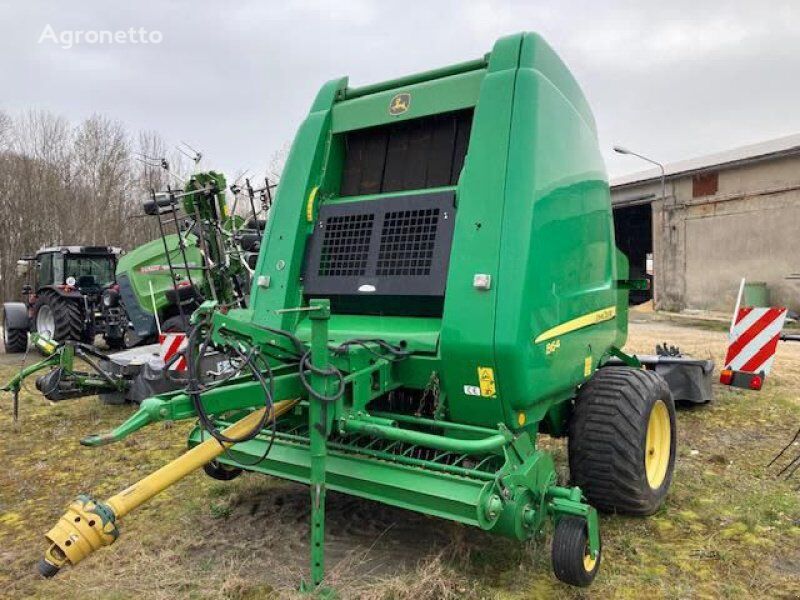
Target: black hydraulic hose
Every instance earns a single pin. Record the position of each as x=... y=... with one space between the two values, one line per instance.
x=194 y=353
x=365 y=343
x=194 y=390
x=305 y=364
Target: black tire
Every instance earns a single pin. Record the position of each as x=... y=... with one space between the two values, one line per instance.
x=220 y=472
x=572 y=563
x=15 y=341
x=67 y=316
x=608 y=440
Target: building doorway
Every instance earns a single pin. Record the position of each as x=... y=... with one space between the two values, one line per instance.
x=633 y=227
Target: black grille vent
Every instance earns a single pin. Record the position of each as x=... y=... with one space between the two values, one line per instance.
x=393 y=246
x=345 y=245
x=407 y=241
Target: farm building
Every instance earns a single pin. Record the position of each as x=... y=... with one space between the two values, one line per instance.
x=719 y=218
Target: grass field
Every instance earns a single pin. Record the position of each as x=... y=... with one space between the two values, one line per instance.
x=729 y=529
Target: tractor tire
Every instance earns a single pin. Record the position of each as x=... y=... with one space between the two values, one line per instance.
x=15 y=341
x=58 y=318
x=572 y=561
x=622 y=440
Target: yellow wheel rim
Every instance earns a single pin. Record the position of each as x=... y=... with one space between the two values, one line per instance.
x=588 y=561
x=657 y=445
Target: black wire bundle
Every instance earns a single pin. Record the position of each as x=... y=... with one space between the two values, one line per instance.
x=300 y=355
x=194 y=353
x=793 y=464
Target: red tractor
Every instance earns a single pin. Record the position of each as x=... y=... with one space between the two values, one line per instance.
x=71 y=294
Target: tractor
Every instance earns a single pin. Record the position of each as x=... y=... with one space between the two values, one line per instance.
x=71 y=294
x=438 y=284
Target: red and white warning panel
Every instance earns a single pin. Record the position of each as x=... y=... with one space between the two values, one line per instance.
x=171 y=344
x=753 y=340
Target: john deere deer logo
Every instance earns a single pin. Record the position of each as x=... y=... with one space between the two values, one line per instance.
x=399 y=104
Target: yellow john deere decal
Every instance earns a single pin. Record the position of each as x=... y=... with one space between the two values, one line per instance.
x=486 y=381
x=598 y=316
x=399 y=104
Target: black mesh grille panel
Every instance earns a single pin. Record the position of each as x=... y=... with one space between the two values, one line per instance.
x=407 y=241
x=345 y=245
x=390 y=246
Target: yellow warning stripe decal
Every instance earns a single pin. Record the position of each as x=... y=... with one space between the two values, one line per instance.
x=310 y=204
x=598 y=316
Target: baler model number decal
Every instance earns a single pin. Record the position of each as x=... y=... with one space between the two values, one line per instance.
x=592 y=318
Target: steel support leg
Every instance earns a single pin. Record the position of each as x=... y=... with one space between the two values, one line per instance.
x=320 y=418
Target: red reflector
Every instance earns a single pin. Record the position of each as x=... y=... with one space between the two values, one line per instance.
x=726 y=376
x=756 y=382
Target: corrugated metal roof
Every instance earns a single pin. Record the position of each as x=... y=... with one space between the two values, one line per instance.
x=789 y=144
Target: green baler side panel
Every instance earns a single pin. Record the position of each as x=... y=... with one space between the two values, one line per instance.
x=558 y=231
x=546 y=238
x=139 y=265
x=469 y=318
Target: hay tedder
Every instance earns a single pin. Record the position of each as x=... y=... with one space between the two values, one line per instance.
x=438 y=284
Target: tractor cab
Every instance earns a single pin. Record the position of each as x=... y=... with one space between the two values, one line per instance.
x=89 y=269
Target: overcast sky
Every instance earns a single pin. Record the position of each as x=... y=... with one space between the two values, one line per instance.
x=670 y=79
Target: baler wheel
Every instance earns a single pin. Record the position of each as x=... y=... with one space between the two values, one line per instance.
x=572 y=562
x=622 y=440
x=220 y=472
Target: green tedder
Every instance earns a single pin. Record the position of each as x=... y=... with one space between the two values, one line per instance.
x=437 y=286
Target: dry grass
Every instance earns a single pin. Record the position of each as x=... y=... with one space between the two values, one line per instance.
x=729 y=528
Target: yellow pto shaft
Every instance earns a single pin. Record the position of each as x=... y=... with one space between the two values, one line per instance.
x=89 y=525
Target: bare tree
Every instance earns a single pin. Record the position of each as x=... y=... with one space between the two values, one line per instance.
x=277 y=161
x=63 y=185
x=6 y=130
x=102 y=181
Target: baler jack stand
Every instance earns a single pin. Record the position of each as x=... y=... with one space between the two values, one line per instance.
x=320 y=420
